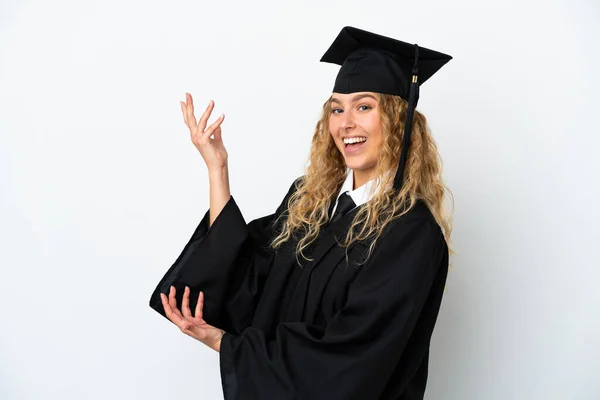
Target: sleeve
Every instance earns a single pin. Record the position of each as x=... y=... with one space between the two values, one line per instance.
x=228 y=261
x=355 y=354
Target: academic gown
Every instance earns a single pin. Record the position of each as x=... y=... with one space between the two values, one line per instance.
x=326 y=329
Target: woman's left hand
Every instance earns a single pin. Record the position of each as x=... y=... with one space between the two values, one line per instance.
x=193 y=326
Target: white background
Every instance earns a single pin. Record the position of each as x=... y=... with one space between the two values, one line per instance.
x=101 y=186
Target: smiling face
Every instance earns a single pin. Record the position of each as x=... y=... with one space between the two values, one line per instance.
x=355 y=126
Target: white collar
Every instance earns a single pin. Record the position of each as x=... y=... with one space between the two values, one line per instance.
x=359 y=195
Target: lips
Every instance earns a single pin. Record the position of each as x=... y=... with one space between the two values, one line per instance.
x=353 y=147
x=354 y=139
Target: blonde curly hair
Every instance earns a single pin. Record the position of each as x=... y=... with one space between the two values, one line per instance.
x=326 y=171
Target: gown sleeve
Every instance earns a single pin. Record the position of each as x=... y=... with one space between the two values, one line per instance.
x=228 y=261
x=355 y=354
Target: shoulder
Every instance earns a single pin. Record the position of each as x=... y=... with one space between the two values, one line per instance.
x=419 y=214
x=411 y=248
x=418 y=225
x=292 y=189
x=415 y=240
x=294 y=186
x=419 y=211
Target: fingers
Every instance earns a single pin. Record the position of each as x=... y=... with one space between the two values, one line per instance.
x=173 y=303
x=217 y=135
x=185 y=304
x=217 y=124
x=169 y=311
x=196 y=328
x=204 y=118
x=200 y=306
x=190 y=118
x=183 y=111
x=187 y=109
x=188 y=326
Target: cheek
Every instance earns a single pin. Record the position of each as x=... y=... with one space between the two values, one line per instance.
x=333 y=131
x=376 y=130
x=376 y=139
x=332 y=127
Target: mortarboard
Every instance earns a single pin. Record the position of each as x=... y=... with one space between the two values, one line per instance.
x=374 y=63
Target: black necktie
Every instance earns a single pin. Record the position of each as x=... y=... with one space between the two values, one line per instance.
x=345 y=204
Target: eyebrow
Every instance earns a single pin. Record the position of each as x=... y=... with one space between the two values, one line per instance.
x=355 y=98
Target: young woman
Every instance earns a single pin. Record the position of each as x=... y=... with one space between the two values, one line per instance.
x=335 y=295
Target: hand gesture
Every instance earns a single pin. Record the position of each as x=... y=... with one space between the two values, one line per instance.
x=193 y=326
x=212 y=149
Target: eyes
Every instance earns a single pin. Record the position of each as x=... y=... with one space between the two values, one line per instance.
x=364 y=107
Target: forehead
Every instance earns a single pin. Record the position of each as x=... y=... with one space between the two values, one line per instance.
x=353 y=97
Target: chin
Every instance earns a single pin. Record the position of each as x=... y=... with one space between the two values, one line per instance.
x=365 y=160
x=358 y=165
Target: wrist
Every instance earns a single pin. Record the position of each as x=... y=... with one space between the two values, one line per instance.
x=218 y=173
x=217 y=345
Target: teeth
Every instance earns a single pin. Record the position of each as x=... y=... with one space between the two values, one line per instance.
x=355 y=140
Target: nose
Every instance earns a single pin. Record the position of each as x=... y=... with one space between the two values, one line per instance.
x=347 y=121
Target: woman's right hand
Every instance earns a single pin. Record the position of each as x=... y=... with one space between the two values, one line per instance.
x=212 y=149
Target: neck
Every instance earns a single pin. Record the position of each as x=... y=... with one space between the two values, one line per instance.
x=360 y=178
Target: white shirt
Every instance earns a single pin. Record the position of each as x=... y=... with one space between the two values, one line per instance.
x=359 y=195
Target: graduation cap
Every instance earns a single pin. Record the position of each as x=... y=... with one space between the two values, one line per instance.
x=374 y=63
